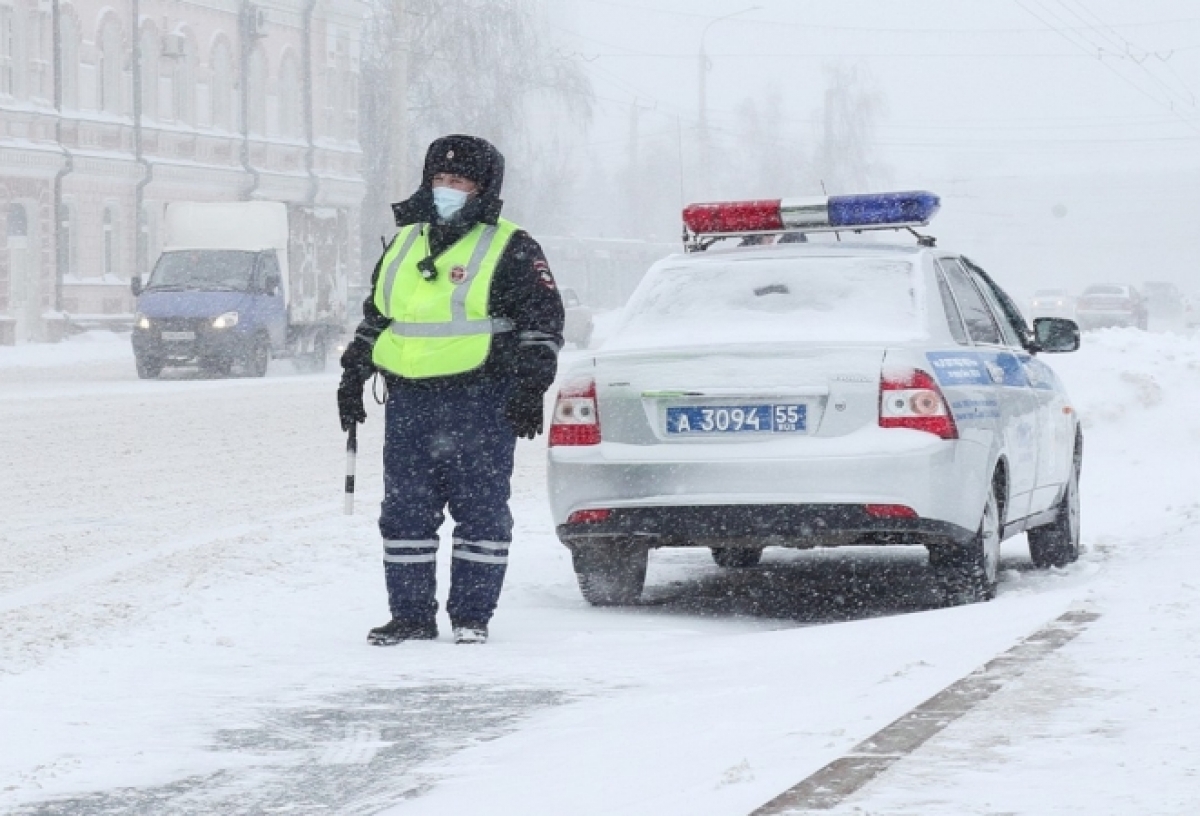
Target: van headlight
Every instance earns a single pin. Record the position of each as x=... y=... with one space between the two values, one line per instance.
x=141 y=321
x=226 y=321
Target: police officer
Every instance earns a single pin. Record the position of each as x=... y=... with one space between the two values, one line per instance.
x=464 y=323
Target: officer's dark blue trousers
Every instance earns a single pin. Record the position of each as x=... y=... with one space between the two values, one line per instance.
x=446 y=447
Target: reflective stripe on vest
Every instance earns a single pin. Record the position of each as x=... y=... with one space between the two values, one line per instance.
x=439 y=327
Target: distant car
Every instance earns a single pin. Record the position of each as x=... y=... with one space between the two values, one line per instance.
x=1052 y=303
x=1106 y=305
x=1164 y=300
x=1191 y=311
x=579 y=327
x=816 y=395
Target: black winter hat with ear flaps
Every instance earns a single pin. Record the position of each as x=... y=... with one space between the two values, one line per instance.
x=466 y=156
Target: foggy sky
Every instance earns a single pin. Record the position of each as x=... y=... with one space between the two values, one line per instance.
x=1064 y=135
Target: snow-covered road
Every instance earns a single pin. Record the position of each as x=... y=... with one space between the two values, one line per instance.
x=183 y=610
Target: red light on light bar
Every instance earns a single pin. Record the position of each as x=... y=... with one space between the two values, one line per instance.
x=589 y=516
x=890 y=511
x=733 y=216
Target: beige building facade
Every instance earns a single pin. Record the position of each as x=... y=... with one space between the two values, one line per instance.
x=219 y=100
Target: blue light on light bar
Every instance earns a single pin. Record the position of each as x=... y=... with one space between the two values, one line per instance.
x=878 y=209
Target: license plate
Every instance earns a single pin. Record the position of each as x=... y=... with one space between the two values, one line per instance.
x=178 y=335
x=699 y=420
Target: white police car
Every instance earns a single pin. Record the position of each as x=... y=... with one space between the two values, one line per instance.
x=816 y=394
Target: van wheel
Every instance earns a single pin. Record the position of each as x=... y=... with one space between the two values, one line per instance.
x=969 y=572
x=148 y=368
x=319 y=353
x=1057 y=544
x=258 y=358
x=737 y=557
x=610 y=573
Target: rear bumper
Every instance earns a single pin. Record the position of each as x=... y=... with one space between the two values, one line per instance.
x=796 y=525
x=942 y=481
x=1097 y=319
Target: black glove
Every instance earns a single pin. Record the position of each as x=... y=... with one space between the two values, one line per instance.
x=356 y=359
x=524 y=411
x=350 y=400
x=357 y=368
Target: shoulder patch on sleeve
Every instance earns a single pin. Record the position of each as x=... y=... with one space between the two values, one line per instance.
x=545 y=278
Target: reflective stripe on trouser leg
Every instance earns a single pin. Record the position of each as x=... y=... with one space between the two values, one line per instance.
x=410 y=570
x=476 y=577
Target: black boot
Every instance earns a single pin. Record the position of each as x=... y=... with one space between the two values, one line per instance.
x=395 y=631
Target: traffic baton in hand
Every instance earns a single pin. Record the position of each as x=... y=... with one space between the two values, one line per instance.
x=351 y=452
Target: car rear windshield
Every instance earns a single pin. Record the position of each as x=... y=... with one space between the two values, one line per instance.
x=1105 y=290
x=774 y=300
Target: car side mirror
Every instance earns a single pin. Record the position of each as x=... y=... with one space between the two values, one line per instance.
x=135 y=285
x=1056 y=334
x=271 y=286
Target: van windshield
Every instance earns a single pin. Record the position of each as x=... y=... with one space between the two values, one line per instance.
x=211 y=270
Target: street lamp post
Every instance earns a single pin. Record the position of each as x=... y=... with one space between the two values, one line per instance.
x=705 y=65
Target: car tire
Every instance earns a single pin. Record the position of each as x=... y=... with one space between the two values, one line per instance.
x=258 y=358
x=1057 y=544
x=148 y=368
x=968 y=573
x=737 y=557
x=319 y=354
x=611 y=573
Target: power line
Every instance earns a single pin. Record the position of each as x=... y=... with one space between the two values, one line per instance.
x=1067 y=36
x=1122 y=43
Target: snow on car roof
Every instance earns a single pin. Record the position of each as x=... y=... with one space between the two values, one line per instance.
x=797 y=293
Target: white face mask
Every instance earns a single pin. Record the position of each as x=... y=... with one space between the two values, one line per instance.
x=448 y=201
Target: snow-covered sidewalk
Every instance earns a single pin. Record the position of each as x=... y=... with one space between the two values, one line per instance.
x=183 y=611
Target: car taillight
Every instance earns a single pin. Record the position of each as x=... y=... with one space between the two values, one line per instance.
x=576 y=420
x=913 y=400
x=589 y=516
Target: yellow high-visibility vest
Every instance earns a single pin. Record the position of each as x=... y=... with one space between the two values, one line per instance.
x=439 y=327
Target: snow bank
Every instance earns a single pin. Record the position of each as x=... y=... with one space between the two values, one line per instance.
x=88 y=347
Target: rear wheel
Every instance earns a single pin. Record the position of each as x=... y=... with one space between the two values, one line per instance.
x=969 y=572
x=317 y=358
x=737 y=557
x=611 y=573
x=1057 y=544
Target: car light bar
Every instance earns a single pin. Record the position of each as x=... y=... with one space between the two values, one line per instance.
x=824 y=214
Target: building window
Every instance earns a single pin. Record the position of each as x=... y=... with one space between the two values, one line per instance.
x=69 y=32
x=41 y=52
x=149 y=73
x=18 y=221
x=257 y=115
x=110 y=240
x=222 y=86
x=109 y=79
x=8 y=52
x=183 y=80
x=289 y=96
